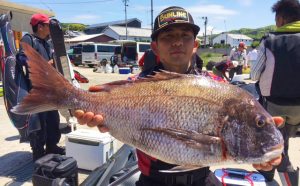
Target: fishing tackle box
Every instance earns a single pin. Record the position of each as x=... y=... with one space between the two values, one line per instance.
x=55 y=169
x=89 y=147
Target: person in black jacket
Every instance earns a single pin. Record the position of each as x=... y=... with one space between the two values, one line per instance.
x=173 y=41
x=46 y=132
x=276 y=70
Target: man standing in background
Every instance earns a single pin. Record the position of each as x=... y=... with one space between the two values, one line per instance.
x=277 y=70
x=240 y=56
x=252 y=56
x=47 y=133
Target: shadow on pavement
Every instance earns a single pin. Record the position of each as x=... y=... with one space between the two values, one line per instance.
x=12 y=138
x=17 y=166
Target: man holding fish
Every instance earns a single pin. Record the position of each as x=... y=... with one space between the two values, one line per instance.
x=173 y=41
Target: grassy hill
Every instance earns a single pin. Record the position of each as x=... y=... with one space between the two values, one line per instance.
x=256 y=34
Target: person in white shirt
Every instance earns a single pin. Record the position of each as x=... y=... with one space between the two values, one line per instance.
x=252 y=56
x=239 y=55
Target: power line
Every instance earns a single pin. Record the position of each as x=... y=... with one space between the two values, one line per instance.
x=64 y=3
x=46 y=5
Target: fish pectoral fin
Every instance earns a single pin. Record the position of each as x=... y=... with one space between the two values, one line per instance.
x=180 y=168
x=190 y=137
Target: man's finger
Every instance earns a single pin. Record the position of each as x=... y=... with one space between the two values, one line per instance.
x=87 y=117
x=276 y=161
x=96 y=88
x=78 y=113
x=102 y=129
x=278 y=120
x=257 y=166
x=267 y=168
x=98 y=119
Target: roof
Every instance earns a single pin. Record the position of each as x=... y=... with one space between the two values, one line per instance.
x=113 y=23
x=131 y=31
x=83 y=38
x=73 y=33
x=239 y=36
x=21 y=14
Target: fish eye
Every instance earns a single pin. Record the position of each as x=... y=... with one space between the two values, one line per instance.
x=260 y=121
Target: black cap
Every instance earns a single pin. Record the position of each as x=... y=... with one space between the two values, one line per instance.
x=170 y=16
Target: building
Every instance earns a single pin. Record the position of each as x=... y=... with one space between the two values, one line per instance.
x=97 y=38
x=232 y=39
x=135 y=34
x=98 y=28
x=21 y=15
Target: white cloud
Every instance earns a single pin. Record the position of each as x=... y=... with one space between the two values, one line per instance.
x=211 y=9
x=245 y=2
x=85 y=18
x=216 y=14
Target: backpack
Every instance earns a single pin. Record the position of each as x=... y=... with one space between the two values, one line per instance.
x=15 y=83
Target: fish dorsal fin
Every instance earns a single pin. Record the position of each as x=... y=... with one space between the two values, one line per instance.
x=164 y=75
x=158 y=76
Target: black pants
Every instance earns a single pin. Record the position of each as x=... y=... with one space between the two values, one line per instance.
x=237 y=70
x=285 y=166
x=49 y=134
x=209 y=180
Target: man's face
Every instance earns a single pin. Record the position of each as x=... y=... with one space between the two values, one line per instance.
x=240 y=48
x=279 y=21
x=174 y=46
x=44 y=29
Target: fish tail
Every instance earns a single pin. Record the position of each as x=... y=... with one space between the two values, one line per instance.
x=50 y=89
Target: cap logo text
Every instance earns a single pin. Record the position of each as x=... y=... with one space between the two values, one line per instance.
x=172 y=16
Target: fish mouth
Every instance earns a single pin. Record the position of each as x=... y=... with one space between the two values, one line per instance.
x=272 y=153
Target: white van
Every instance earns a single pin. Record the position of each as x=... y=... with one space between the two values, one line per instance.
x=94 y=53
x=131 y=51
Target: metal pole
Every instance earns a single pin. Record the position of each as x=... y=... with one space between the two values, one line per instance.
x=225 y=36
x=125 y=3
x=211 y=39
x=205 y=24
x=152 y=15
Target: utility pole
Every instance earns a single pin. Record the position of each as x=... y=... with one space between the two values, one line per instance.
x=225 y=36
x=211 y=39
x=125 y=4
x=152 y=15
x=205 y=24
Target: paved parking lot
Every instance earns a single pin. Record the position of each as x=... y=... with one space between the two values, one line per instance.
x=15 y=156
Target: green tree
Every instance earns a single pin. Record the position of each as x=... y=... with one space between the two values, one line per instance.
x=73 y=26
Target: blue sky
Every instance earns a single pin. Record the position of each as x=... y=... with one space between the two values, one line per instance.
x=222 y=15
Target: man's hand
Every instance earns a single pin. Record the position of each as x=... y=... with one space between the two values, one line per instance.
x=276 y=161
x=50 y=62
x=268 y=165
x=90 y=119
